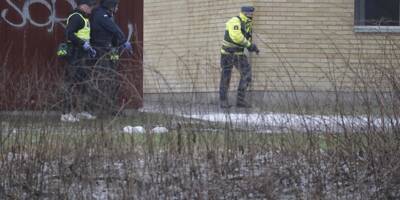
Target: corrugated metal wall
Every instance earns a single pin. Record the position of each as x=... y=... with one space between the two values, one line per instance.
x=30 y=72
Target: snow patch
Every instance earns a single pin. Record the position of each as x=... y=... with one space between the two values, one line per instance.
x=273 y=121
x=159 y=129
x=134 y=130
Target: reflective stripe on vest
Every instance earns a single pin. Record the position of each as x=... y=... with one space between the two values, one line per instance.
x=83 y=33
x=230 y=47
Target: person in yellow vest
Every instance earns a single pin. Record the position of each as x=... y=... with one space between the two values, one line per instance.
x=238 y=36
x=77 y=72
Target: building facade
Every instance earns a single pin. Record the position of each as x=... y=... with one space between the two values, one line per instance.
x=306 y=45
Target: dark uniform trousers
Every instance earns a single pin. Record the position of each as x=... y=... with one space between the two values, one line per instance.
x=77 y=75
x=105 y=82
x=241 y=63
x=104 y=35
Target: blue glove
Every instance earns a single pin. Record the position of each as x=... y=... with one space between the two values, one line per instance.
x=87 y=46
x=253 y=48
x=127 y=46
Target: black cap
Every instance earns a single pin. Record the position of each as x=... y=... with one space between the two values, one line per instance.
x=248 y=9
x=87 y=2
x=109 y=3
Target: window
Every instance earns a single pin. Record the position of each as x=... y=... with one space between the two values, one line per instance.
x=377 y=15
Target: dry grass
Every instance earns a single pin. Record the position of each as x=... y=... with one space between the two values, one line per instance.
x=42 y=158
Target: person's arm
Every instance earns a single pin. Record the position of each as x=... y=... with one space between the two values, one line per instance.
x=118 y=36
x=75 y=23
x=235 y=33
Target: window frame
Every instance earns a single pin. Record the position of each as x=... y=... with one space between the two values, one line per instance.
x=359 y=13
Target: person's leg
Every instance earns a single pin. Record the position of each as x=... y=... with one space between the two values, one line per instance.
x=100 y=86
x=70 y=75
x=81 y=82
x=98 y=81
x=68 y=89
x=112 y=87
x=227 y=62
x=105 y=86
x=69 y=93
x=245 y=80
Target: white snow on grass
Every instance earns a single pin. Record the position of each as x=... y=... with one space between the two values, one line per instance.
x=159 y=130
x=134 y=130
x=279 y=121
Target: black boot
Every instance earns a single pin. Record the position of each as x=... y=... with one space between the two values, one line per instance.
x=224 y=104
x=243 y=104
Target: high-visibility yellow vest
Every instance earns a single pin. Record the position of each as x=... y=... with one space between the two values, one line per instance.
x=84 y=33
x=238 y=35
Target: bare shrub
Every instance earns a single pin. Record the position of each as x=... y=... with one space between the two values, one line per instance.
x=337 y=148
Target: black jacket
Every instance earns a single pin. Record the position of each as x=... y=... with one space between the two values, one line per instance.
x=105 y=33
x=75 y=24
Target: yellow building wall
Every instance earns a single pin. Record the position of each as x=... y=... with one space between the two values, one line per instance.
x=305 y=45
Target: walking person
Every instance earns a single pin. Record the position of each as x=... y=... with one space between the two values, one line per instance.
x=107 y=38
x=238 y=36
x=76 y=72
